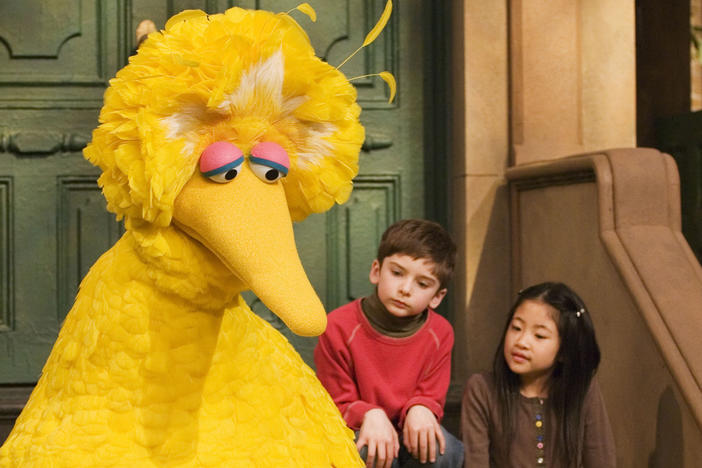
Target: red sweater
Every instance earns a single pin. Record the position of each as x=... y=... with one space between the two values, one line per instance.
x=363 y=369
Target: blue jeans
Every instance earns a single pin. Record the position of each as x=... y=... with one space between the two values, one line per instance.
x=452 y=457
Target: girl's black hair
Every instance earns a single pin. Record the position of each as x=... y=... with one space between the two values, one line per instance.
x=575 y=365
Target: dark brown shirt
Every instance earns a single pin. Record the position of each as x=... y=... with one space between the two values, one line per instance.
x=480 y=422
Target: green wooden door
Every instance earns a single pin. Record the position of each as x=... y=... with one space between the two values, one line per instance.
x=55 y=60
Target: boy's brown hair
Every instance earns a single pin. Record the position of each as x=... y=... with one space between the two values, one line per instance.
x=420 y=238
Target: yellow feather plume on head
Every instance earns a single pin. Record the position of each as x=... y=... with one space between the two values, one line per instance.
x=243 y=76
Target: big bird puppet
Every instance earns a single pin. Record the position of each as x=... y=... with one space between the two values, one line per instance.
x=220 y=131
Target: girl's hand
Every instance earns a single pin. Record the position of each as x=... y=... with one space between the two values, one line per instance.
x=378 y=433
x=420 y=433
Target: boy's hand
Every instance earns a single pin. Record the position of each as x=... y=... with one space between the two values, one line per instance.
x=378 y=433
x=420 y=431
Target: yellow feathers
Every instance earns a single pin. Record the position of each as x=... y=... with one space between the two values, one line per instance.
x=374 y=33
x=388 y=77
x=384 y=17
x=184 y=15
x=308 y=10
x=370 y=37
x=240 y=76
x=390 y=80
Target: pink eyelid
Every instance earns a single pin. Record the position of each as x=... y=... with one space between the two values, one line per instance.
x=219 y=154
x=273 y=152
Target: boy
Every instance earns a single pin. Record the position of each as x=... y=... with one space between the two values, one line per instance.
x=386 y=359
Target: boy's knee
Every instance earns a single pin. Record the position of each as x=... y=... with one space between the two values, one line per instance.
x=452 y=457
x=363 y=452
x=453 y=453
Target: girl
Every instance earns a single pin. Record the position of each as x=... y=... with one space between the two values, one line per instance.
x=540 y=406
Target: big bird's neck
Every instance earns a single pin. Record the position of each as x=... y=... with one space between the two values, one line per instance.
x=151 y=295
x=140 y=344
x=179 y=266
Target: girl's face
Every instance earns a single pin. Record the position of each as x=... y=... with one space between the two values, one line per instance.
x=532 y=342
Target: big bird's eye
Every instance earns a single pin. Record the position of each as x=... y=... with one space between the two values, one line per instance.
x=221 y=162
x=269 y=161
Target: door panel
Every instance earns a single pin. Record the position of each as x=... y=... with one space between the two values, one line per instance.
x=55 y=61
x=59 y=54
x=6 y=242
x=85 y=230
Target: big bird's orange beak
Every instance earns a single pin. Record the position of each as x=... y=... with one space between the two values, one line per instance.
x=246 y=223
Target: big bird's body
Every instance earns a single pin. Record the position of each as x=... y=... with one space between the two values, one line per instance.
x=142 y=376
x=160 y=363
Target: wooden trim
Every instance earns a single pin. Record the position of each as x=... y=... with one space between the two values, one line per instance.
x=12 y=401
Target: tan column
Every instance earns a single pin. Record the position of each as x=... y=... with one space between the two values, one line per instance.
x=695 y=65
x=572 y=77
x=481 y=218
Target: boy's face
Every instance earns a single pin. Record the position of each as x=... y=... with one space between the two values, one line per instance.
x=406 y=285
